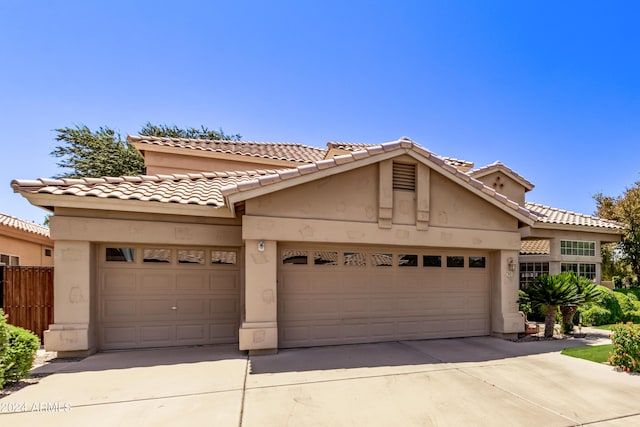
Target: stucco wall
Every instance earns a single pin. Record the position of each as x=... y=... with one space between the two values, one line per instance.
x=455 y=206
x=505 y=185
x=353 y=196
x=30 y=253
x=350 y=196
x=169 y=163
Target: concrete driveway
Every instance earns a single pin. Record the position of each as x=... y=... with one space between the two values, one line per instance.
x=471 y=381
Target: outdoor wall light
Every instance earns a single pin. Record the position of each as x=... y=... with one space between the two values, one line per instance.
x=512 y=264
x=260 y=246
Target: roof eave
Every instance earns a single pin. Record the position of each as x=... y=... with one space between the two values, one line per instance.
x=113 y=204
x=25 y=235
x=575 y=227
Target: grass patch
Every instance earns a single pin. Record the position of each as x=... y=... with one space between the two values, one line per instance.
x=604 y=327
x=594 y=353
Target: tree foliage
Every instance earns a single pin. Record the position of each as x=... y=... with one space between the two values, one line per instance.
x=550 y=292
x=202 y=132
x=86 y=153
x=626 y=210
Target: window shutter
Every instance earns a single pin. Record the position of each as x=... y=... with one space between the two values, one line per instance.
x=404 y=176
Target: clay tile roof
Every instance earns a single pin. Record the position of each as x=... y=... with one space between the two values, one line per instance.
x=371 y=151
x=20 y=224
x=403 y=142
x=549 y=215
x=270 y=150
x=196 y=189
x=534 y=247
x=499 y=166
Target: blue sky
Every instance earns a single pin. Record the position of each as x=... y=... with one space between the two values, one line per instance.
x=551 y=89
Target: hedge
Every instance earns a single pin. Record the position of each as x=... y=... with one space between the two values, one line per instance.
x=18 y=348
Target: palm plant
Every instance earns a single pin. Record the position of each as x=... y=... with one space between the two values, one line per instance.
x=588 y=291
x=550 y=292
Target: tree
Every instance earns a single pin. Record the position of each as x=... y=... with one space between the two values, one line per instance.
x=150 y=129
x=87 y=153
x=550 y=292
x=626 y=210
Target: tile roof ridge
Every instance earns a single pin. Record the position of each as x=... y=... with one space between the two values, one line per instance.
x=142 y=138
x=501 y=166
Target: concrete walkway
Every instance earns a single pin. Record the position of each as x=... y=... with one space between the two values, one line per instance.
x=470 y=381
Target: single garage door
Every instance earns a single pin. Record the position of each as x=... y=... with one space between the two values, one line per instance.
x=358 y=295
x=162 y=296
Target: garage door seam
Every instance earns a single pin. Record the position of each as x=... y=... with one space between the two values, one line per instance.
x=462 y=370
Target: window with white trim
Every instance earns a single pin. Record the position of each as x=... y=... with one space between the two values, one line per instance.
x=577 y=247
x=530 y=270
x=587 y=270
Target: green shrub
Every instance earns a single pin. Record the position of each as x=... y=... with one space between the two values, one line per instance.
x=624 y=302
x=633 y=316
x=4 y=343
x=524 y=303
x=610 y=302
x=632 y=291
x=595 y=315
x=18 y=356
x=617 y=281
x=626 y=347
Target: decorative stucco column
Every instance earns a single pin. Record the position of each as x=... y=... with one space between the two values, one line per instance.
x=506 y=320
x=71 y=333
x=554 y=256
x=259 y=330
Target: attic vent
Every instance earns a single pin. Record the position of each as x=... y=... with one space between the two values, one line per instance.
x=404 y=176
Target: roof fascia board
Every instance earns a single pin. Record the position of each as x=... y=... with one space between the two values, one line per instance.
x=538 y=231
x=575 y=227
x=112 y=204
x=190 y=152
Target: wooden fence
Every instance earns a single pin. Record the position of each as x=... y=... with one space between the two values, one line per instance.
x=27 y=297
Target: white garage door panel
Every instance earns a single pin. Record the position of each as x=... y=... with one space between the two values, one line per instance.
x=160 y=305
x=336 y=304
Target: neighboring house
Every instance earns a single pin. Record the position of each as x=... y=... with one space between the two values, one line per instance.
x=297 y=246
x=24 y=243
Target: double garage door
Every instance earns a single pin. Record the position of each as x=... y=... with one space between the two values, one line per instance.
x=163 y=296
x=355 y=295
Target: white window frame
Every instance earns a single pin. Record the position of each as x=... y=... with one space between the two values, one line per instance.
x=579 y=271
x=575 y=251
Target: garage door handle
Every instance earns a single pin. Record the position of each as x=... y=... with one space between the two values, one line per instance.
x=174 y=308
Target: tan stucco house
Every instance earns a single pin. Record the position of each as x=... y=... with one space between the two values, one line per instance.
x=24 y=243
x=273 y=245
